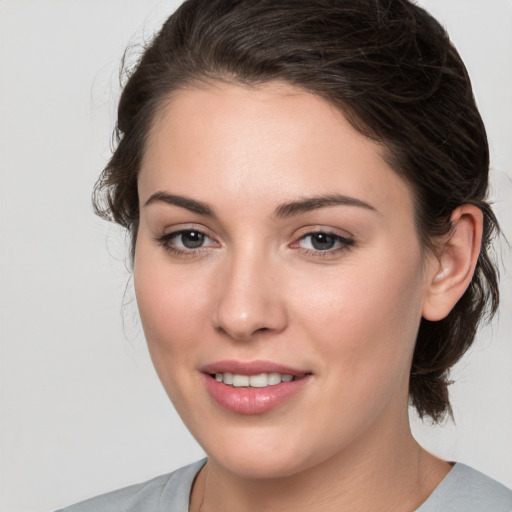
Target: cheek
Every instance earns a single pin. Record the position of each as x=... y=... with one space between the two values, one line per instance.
x=171 y=313
x=171 y=308
x=366 y=316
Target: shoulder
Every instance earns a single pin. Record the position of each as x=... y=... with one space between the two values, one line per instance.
x=154 y=495
x=468 y=490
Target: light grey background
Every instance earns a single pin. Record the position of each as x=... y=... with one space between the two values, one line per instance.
x=80 y=407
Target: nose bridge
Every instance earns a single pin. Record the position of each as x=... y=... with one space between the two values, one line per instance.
x=249 y=300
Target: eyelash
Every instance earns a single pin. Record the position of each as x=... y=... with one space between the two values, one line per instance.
x=343 y=244
x=166 y=242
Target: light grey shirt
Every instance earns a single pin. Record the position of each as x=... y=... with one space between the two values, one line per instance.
x=462 y=490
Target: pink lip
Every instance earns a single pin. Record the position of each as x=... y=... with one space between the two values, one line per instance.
x=252 y=400
x=250 y=368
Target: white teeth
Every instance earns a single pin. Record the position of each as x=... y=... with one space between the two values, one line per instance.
x=274 y=378
x=261 y=380
x=240 y=381
x=258 y=381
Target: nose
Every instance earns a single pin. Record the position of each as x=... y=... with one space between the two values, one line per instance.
x=250 y=299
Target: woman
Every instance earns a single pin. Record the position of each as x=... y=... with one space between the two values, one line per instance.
x=305 y=187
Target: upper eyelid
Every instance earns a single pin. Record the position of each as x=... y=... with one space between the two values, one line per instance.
x=172 y=234
x=326 y=232
x=175 y=230
x=311 y=230
x=166 y=236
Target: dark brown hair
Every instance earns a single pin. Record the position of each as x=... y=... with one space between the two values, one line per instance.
x=393 y=72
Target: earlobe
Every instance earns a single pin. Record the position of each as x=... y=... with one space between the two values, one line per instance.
x=456 y=258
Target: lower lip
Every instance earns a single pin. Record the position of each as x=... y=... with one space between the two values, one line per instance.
x=253 y=400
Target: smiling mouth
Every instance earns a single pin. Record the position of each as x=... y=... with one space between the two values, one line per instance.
x=254 y=387
x=261 y=380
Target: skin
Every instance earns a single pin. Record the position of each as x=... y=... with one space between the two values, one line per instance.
x=257 y=289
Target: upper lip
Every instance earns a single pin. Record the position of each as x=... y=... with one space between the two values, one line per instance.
x=250 y=368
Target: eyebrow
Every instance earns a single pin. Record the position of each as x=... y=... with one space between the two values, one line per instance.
x=282 y=211
x=314 y=203
x=183 y=202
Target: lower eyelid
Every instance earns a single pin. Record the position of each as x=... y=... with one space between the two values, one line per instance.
x=330 y=254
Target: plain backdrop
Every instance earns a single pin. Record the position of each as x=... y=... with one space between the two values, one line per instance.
x=81 y=409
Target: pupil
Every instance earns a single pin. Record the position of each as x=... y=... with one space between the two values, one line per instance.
x=322 y=242
x=192 y=239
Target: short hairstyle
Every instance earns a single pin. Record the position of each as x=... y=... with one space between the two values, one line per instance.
x=391 y=69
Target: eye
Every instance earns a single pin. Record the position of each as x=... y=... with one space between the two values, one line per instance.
x=189 y=239
x=186 y=242
x=318 y=243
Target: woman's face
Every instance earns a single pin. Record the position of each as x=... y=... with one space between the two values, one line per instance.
x=274 y=239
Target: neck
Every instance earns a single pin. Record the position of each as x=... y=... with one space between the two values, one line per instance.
x=396 y=474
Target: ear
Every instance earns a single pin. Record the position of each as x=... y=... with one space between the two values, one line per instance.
x=453 y=267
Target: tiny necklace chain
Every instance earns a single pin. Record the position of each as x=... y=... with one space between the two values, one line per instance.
x=204 y=488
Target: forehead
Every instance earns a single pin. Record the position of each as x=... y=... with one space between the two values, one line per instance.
x=267 y=144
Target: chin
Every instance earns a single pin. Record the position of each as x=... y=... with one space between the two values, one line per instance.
x=270 y=454
x=260 y=465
